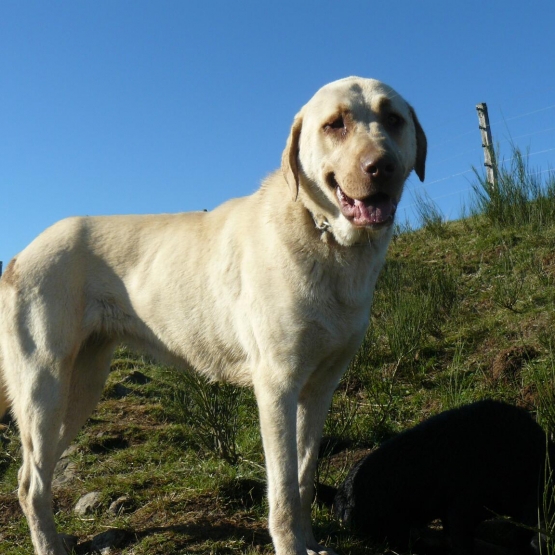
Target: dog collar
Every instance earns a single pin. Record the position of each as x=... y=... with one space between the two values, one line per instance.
x=323 y=226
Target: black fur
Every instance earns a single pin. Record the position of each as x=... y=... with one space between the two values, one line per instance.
x=463 y=466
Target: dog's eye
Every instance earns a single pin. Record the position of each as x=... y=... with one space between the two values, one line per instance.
x=336 y=125
x=394 y=120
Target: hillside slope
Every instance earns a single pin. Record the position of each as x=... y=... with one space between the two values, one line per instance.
x=463 y=311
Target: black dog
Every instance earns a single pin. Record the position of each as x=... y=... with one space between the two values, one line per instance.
x=463 y=466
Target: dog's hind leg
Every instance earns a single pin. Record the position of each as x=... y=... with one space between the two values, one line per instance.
x=39 y=407
x=91 y=369
x=49 y=415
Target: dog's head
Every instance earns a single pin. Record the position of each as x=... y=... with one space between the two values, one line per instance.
x=350 y=150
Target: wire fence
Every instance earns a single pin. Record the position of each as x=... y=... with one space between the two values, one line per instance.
x=465 y=161
x=464 y=164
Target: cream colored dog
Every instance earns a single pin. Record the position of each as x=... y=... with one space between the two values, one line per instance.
x=272 y=290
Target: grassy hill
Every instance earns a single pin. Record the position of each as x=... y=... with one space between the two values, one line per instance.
x=463 y=311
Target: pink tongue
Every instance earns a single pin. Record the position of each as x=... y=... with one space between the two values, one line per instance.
x=377 y=210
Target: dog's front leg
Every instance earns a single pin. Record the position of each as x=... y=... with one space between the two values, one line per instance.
x=314 y=403
x=277 y=407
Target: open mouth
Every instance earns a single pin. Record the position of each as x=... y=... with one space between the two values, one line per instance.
x=374 y=211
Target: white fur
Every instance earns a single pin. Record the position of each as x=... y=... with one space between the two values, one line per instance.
x=272 y=290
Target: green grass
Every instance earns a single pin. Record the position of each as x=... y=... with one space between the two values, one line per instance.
x=521 y=197
x=463 y=310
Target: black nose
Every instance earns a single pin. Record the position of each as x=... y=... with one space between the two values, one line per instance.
x=378 y=168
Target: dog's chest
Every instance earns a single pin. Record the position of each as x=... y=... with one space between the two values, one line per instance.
x=343 y=281
x=336 y=299
x=336 y=292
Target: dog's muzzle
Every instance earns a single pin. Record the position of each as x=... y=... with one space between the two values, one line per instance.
x=374 y=211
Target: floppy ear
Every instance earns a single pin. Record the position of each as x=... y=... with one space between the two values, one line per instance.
x=421 y=147
x=289 y=163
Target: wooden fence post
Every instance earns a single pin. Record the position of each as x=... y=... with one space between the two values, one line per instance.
x=487 y=144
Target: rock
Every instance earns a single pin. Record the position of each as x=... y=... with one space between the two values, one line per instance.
x=71 y=450
x=120 y=505
x=89 y=503
x=64 y=473
x=66 y=470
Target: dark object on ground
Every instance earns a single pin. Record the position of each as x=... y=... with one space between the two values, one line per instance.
x=463 y=466
x=324 y=494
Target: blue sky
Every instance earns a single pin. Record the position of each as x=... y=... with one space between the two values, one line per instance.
x=117 y=106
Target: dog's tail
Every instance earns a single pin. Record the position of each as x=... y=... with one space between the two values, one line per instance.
x=4 y=402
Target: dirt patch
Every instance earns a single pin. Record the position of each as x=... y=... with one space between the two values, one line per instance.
x=105 y=442
x=244 y=493
x=9 y=509
x=509 y=362
x=191 y=524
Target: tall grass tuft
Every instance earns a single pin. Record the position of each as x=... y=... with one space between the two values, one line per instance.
x=377 y=413
x=546 y=516
x=459 y=386
x=211 y=410
x=412 y=301
x=521 y=198
x=430 y=216
x=508 y=285
x=544 y=379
